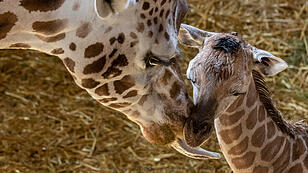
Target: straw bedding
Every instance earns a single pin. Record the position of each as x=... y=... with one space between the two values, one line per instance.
x=48 y=124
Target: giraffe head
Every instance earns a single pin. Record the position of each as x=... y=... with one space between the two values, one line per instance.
x=143 y=79
x=220 y=73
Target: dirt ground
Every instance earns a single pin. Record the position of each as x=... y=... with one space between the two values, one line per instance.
x=48 y=124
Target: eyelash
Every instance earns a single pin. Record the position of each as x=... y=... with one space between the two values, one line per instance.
x=235 y=93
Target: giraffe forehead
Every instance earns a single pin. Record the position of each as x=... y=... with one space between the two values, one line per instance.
x=43 y=6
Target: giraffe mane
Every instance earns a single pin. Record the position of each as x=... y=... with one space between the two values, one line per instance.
x=273 y=112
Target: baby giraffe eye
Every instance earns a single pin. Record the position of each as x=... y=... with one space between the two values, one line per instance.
x=236 y=93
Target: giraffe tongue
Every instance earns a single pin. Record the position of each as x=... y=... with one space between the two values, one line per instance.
x=195 y=153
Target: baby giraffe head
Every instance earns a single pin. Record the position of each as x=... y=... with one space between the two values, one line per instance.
x=220 y=73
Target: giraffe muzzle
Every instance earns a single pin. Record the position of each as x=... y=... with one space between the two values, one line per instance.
x=195 y=153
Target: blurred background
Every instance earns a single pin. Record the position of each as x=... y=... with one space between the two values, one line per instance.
x=48 y=124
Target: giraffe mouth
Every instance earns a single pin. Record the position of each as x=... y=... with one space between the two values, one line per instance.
x=195 y=153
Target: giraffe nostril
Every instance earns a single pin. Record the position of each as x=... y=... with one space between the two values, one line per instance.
x=200 y=127
x=234 y=33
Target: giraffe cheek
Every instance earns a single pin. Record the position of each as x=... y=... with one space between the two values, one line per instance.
x=158 y=134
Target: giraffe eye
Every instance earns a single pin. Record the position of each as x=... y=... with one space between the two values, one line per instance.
x=152 y=60
x=236 y=93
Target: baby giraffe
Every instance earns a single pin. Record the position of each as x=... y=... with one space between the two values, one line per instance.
x=252 y=134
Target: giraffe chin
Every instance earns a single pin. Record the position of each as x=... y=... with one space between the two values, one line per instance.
x=195 y=153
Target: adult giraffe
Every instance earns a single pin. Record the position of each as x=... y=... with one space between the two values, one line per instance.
x=122 y=52
x=252 y=134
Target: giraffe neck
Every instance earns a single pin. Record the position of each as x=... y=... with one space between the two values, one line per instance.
x=74 y=32
x=255 y=140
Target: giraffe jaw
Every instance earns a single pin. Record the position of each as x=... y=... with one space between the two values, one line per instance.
x=195 y=153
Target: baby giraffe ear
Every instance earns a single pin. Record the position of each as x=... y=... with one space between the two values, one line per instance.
x=268 y=63
x=191 y=36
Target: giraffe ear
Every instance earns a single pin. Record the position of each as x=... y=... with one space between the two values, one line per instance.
x=105 y=8
x=181 y=10
x=268 y=63
x=191 y=36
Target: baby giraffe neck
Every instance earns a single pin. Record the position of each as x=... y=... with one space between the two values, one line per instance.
x=255 y=138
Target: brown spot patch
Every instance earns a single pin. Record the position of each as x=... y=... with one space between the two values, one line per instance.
x=146 y=6
x=57 y=51
x=155 y=20
x=175 y=90
x=132 y=93
x=271 y=129
x=161 y=13
x=89 y=83
x=260 y=169
x=228 y=120
x=167 y=76
x=261 y=114
x=39 y=5
x=298 y=149
x=161 y=28
x=230 y=135
x=239 y=148
x=150 y=34
x=84 y=30
x=52 y=38
x=252 y=95
x=258 y=137
x=283 y=160
x=114 y=70
x=50 y=27
x=121 y=38
x=296 y=169
x=167 y=14
x=72 y=46
x=20 y=45
x=151 y=12
x=272 y=148
x=245 y=161
x=119 y=105
x=102 y=90
x=133 y=35
x=70 y=64
x=142 y=100
x=123 y=84
x=251 y=121
x=106 y=100
x=113 y=52
x=96 y=66
x=149 y=22
x=238 y=102
x=132 y=44
x=140 y=27
x=94 y=50
x=7 y=21
x=142 y=16
x=163 y=2
x=112 y=40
